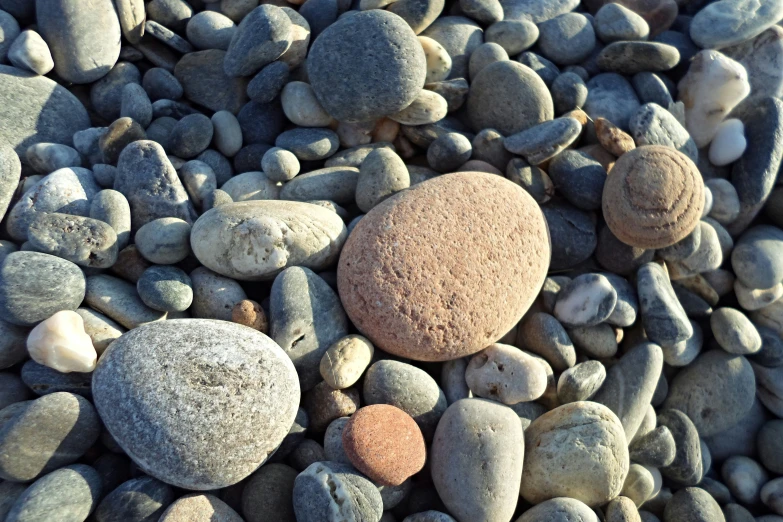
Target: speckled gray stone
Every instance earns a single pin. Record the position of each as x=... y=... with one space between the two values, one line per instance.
x=45 y=434
x=734 y=332
x=545 y=140
x=382 y=174
x=534 y=180
x=630 y=58
x=561 y=509
x=693 y=505
x=305 y=318
x=566 y=39
x=663 y=317
x=333 y=441
x=214 y=296
x=757 y=258
x=656 y=448
x=113 y=208
x=85 y=241
x=268 y=495
x=120 y=301
x=205 y=82
x=267 y=84
x=731 y=22
x=476 y=460
x=44 y=380
x=262 y=37
x=164 y=241
x=148 y=180
x=165 y=288
x=654 y=125
x=143 y=499
x=160 y=84
x=34 y=286
x=332 y=492
x=48 y=157
x=10 y=173
x=281 y=165
x=580 y=382
x=536 y=10
x=408 y=388
x=226 y=439
x=71 y=492
x=568 y=92
x=651 y=88
x=514 y=36
x=616 y=22
x=336 y=184
x=543 y=335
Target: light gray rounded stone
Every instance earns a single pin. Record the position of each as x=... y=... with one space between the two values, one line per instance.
x=119 y=300
x=757 y=258
x=336 y=184
x=190 y=383
x=143 y=499
x=262 y=36
x=85 y=241
x=48 y=157
x=136 y=104
x=615 y=22
x=10 y=174
x=164 y=241
x=381 y=175
x=476 y=460
x=249 y=186
x=515 y=36
x=566 y=39
x=210 y=30
x=333 y=492
x=744 y=477
x=692 y=505
x=165 y=288
x=654 y=125
x=84 y=37
x=730 y=22
x=113 y=208
x=734 y=331
x=280 y=165
x=687 y=468
x=562 y=509
x=580 y=382
x=34 y=286
x=245 y=240
x=655 y=448
x=71 y=492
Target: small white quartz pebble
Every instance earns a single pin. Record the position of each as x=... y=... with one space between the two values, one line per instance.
x=61 y=343
x=729 y=143
x=30 y=52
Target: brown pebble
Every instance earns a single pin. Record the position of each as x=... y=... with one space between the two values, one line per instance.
x=323 y=404
x=120 y=133
x=249 y=313
x=579 y=115
x=613 y=138
x=445 y=268
x=384 y=443
x=601 y=155
x=653 y=198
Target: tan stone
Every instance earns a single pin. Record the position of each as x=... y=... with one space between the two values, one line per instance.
x=249 y=313
x=613 y=138
x=653 y=198
x=199 y=508
x=446 y=268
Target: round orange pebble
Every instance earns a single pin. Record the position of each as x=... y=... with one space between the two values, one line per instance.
x=384 y=443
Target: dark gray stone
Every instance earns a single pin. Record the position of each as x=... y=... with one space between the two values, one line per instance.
x=106 y=93
x=566 y=39
x=543 y=335
x=12 y=390
x=611 y=96
x=630 y=58
x=320 y=14
x=614 y=22
x=9 y=492
x=205 y=82
x=757 y=258
x=332 y=492
x=569 y=92
x=142 y=499
x=651 y=89
x=535 y=181
x=219 y=164
x=547 y=140
x=771 y=353
x=268 y=495
x=262 y=36
x=536 y=10
x=10 y=28
x=305 y=318
x=10 y=174
x=686 y=468
x=85 y=241
x=572 y=233
x=654 y=125
x=190 y=136
x=136 y=104
x=545 y=69
x=147 y=179
x=336 y=184
x=308 y=143
x=578 y=177
x=160 y=84
x=267 y=84
x=295 y=436
x=619 y=257
x=165 y=288
x=261 y=123
x=34 y=286
x=13 y=348
x=167 y=36
x=171 y=13
x=84 y=39
x=655 y=448
x=46 y=113
x=45 y=434
x=361 y=83
x=627 y=307
x=44 y=380
x=663 y=317
x=71 y=492
x=455 y=91
x=693 y=505
x=150 y=394
x=448 y=152
x=488 y=146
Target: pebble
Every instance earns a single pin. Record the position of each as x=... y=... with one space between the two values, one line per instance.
x=578 y=177
x=204 y=81
x=771 y=497
x=459 y=35
x=263 y=36
x=630 y=385
x=84 y=241
x=611 y=96
x=651 y=88
x=280 y=165
x=165 y=288
x=119 y=300
x=744 y=477
x=478 y=442
x=572 y=234
x=43 y=435
x=199 y=180
x=84 y=40
x=448 y=152
x=543 y=335
x=214 y=296
x=222 y=245
x=577 y=450
x=687 y=466
x=545 y=69
x=566 y=39
x=619 y=257
x=502 y=372
x=614 y=22
x=269 y=493
x=48 y=157
x=630 y=58
x=509 y=97
x=756 y=257
x=768 y=446
x=734 y=332
x=684 y=352
x=692 y=505
x=569 y=92
x=663 y=317
x=227 y=133
x=12 y=344
x=515 y=36
x=545 y=141
x=149 y=375
x=309 y=144
x=331 y=492
x=598 y=341
x=581 y=382
x=728 y=144
x=61 y=343
x=585 y=301
x=381 y=175
x=657 y=211
x=143 y=498
x=200 y=508
x=324 y=404
x=249 y=313
x=337 y=184
x=167 y=36
x=562 y=508
x=654 y=125
x=730 y=22
x=535 y=181
x=392 y=331
x=210 y=30
x=251 y=186
x=171 y=13
x=164 y=241
x=656 y=448
x=696 y=90
x=34 y=286
x=438 y=60
x=269 y=82
x=725 y=201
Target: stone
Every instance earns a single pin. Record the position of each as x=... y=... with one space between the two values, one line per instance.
x=734 y=332
x=381 y=175
x=577 y=450
x=171 y=13
x=731 y=22
x=744 y=477
x=106 y=93
x=545 y=69
x=164 y=241
x=40 y=436
x=48 y=157
x=112 y=208
x=34 y=286
x=534 y=180
x=654 y=125
x=486 y=375
x=193 y=349
x=263 y=36
x=656 y=448
x=301 y=106
x=715 y=391
x=579 y=178
x=599 y=341
x=221 y=242
x=620 y=257
x=345 y=361
x=693 y=505
x=729 y=143
x=756 y=257
x=566 y=39
x=84 y=241
x=544 y=335
x=651 y=88
x=309 y=144
x=770 y=496
x=562 y=508
x=165 y=288
x=204 y=81
x=587 y=300
x=663 y=317
x=10 y=174
x=249 y=313
x=337 y=184
x=460 y=36
x=72 y=492
x=476 y=460
x=622 y=509
x=44 y=380
x=569 y=92
x=214 y=296
x=280 y=165
x=199 y=180
x=119 y=135
x=324 y=404
x=250 y=186
x=385 y=81
x=143 y=498
x=611 y=96
x=84 y=40
x=630 y=384
x=545 y=140
x=428 y=107
x=393 y=329
x=581 y=382
x=697 y=91
x=509 y=97
x=13 y=349
x=437 y=58
x=119 y=300
x=615 y=22
x=269 y=493
x=61 y=343
x=687 y=466
x=630 y=58
x=725 y=201
x=353 y=497
x=640 y=209
x=760 y=56
x=448 y=152
x=572 y=234
x=200 y=508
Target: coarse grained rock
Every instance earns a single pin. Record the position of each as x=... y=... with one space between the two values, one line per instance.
x=225 y=392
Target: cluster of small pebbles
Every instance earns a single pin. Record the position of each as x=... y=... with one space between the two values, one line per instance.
x=391 y=261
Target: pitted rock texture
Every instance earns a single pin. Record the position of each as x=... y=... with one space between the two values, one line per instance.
x=445 y=268
x=653 y=198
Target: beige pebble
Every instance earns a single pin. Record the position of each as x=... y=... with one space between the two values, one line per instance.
x=438 y=60
x=355 y=134
x=756 y=298
x=61 y=343
x=343 y=364
x=612 y=137
x=506 y=373
x=302 y=107
x=639 y=484
x=249 y=313
x=428 y=107
x=385 y=130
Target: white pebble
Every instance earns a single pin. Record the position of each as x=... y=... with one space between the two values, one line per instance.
x=302 y=107
x=438 y=60
x=61 y=343
x=729 y=143
x=228 y=133
x=30 y=52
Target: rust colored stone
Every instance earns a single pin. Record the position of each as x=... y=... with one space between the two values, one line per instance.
x=446 y=268
x=249 y=313
x=653 y=198
x=384 y=443
x=613 y=138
